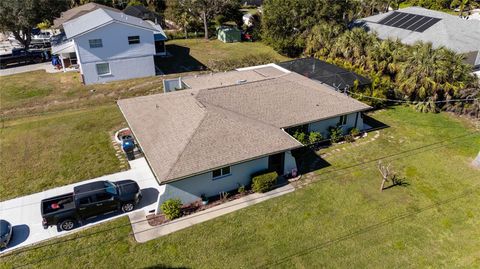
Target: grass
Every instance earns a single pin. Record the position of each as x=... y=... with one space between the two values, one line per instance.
x=38 y=92
x=340 y=220
x=58 y=149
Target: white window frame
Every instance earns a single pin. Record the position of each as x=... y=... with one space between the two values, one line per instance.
x=223 y=173
x=134 y=39
x=95 y=43
x=105 y=74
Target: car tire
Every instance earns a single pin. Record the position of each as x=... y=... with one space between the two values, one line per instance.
x=127 y=207
x=67 y=225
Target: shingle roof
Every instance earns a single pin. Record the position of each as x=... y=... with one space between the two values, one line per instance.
x=459 y=35
x=193 y=131
x=100 y=17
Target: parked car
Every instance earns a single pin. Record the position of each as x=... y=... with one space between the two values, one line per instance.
x=5 y=233
x=23 y=56
x=88 y=201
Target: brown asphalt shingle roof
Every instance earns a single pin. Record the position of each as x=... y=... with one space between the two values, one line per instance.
x=193 y=131
x=77 y=12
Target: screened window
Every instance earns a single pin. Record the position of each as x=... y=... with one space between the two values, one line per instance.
x=95 y=43
x=103 y=69
x=225 y=171
x=133 y=39
x=343 y=120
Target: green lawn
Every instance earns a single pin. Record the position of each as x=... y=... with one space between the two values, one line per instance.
x=42 y=152
x=340 y=220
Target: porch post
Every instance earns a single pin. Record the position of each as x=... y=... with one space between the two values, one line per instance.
x=63 y=63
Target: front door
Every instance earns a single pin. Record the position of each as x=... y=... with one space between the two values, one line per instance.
x=276 y=163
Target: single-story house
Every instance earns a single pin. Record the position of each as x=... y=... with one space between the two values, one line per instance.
x=213 y=135
x=141 y=12
x=413 y=24
x=108 y=45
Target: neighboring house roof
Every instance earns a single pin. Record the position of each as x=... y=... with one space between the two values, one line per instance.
x=457 y=34
x=77 y=12
x=101 y=17
x=330 y=74
x=142 y=12
x=194 y=131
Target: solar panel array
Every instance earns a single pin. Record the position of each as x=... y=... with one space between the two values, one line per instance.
x=407 y=21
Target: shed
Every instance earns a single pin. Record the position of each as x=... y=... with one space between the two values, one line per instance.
x=229 y=34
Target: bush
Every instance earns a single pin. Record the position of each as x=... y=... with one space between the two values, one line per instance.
x=264 y=182
x=349 y=138
x=354 y=132
x=241 y=189
x=172 y=208
x=315 y=137
x=301 y=137
x=335 y=133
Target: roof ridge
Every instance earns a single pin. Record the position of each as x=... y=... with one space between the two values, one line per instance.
x=247 y=82
x=170 y=171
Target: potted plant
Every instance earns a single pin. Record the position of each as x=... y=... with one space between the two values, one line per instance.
x=204 y=199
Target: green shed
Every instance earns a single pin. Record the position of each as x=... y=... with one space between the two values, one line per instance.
x=229 y=34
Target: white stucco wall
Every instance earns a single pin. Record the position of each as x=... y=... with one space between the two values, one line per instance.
x=191 y=189
x=120 y=69
x=322 y=126
x=126 y=60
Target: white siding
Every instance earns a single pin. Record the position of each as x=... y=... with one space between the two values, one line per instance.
x=322 y=126
x=115 y=43
x=191 y=189
x=120 y=69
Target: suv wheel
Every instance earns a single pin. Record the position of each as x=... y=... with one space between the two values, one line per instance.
x=67 y=225
x=127 y=207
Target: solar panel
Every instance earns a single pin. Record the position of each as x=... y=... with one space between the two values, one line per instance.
x=407 y=21
x=427 y=25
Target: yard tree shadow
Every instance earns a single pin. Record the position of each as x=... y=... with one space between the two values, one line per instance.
x=178 y=61
x=397 y=181
x=161 y=266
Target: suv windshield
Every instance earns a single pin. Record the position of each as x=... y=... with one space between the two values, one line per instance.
x=110 y=188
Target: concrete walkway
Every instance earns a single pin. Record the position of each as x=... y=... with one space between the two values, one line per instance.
x=143 y=232
x=24 y=68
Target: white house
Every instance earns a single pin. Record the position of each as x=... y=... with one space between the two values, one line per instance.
x=212 y=136
x=108 y=45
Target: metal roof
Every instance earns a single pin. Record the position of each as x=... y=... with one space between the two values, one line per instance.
x=101 y=17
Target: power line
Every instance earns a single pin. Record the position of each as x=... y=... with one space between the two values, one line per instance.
x=133 y=233
x=425 y=147
x=413 y=102
x=372 y=227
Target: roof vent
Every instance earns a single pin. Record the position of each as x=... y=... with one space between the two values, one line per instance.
x=241 y=81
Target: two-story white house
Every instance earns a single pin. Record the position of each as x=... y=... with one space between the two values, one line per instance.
x=108 y=45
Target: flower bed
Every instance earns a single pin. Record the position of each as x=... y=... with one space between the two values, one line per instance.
x=197 y=206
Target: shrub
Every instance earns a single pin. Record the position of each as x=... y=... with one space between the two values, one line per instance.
x=264 y=182
x=335 y=133
x=354 y=132
x=315 y=137
x=172 y=208
x=241 y=189
x=301 y=137
x=349 y=138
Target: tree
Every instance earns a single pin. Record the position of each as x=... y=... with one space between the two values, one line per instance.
x=204 y=10
x=20 y=16
x=385 y=172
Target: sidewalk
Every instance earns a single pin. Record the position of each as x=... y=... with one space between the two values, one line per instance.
x=143 y=232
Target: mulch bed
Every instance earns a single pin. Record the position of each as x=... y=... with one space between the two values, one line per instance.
x=197 y=206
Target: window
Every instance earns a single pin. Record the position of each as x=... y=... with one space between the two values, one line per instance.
x=103 y=69
x=225 y=171
x=343 y=120
x=84 y=201
x=133 y=39
x=103 y=196
x=95 y=43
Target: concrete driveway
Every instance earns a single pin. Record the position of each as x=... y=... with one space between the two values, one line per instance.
x=24 y=68
x=24 y=212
